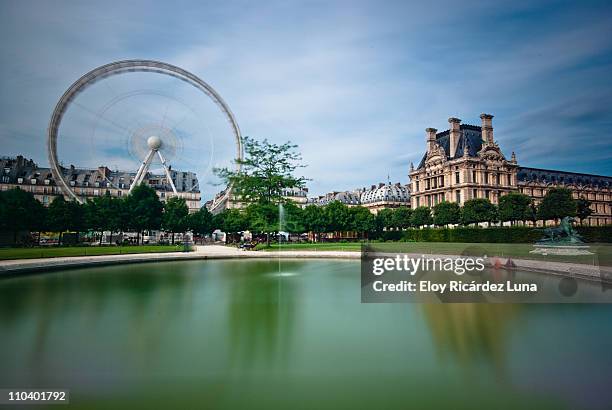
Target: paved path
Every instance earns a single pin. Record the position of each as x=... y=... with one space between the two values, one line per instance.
x=591 y=272
x=202 y=252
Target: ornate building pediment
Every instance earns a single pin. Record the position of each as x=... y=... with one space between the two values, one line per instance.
x=436 y=156
x=491 y=153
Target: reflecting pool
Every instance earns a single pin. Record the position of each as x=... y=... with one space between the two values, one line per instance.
x=289 y=334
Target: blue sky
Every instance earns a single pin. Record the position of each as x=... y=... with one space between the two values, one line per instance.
x=354 y=84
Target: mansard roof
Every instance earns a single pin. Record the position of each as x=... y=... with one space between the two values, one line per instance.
x=377 y=193
x=471 y=136
x=527 y=174
x=14 y=169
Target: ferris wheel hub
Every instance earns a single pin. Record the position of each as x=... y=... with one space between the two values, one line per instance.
x=154 y=143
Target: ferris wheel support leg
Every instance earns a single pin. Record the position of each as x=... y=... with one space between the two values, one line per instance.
x=163 y=161
x=142 y=171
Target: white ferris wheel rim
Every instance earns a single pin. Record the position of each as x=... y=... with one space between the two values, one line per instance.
x=125 y=66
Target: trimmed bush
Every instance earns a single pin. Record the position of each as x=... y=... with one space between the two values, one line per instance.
x=596 y=233
x=516 y=234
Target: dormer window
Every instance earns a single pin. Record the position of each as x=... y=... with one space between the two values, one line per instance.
x=33 y=181
x=20 y=180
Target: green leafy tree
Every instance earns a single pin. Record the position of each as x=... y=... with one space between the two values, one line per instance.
x=421 y=216
x=315 y=220
x=386 y=219
x=174 y=218
x=446 y=213
x=362 y=220
x=144 y=208
x=66 y=216
x=294 y=218
x=338 y=217
x=76 y=218
x=200 y=222
x=556 y=204
x=267 y=171
x=20 y=211
x=262 y=218
x=103 y=214
x=514 y=207
x=478 y=210
x=532 y=213
x=583 y=209
x=400 y=217
x=231 y=221
x=123 y=215
x=58 y=217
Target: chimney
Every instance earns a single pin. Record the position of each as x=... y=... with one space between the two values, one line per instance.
x=431 y=138
x=454 y=134
x=103 y=171
x=487 y=129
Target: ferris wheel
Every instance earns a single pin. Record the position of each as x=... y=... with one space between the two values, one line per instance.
x=145 y=115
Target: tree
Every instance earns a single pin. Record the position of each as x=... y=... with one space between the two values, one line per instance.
x=478 y=210
x=421 y=216
x=514 y=207
x=76 y=217
x=231 y=221
x=446 y=213
x=20 y=211
x=66 y=216
x=58 y=216
x=267 y=171
x=338 y=217
x=315 y=220
x=144 y=209
x=293 y=218
x=362 y=220
x=556 y=204
x=400 y=218
x=583 y=209
x=103 y=214
x=262 y=218
x=174 y=218
x=200 y=222
x=385 y=218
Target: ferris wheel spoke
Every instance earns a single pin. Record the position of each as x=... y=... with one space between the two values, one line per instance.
x=164 y=116
x=95 y=114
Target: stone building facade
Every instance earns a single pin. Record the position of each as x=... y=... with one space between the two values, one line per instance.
x=375 y=198
x=223 y=201
x=465 y=162
x=90 y=183
x=535 y=182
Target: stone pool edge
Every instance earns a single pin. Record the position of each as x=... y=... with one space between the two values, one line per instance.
x=26 y=266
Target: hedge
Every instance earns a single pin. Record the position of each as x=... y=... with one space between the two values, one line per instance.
x=516 y=234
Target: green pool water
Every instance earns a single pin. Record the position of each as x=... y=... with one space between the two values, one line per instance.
x=289 y=335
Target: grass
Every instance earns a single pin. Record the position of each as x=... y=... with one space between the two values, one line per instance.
x=321 y=246
x=56 y=252
x=602 y=252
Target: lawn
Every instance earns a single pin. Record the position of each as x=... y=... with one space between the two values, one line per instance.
x=602 y=252
x=321 y=246
x=55 y=252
